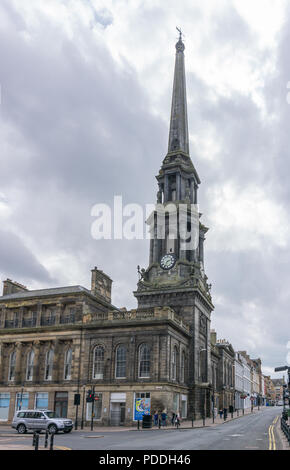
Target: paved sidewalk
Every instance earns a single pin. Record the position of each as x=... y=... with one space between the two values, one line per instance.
x=281 y=435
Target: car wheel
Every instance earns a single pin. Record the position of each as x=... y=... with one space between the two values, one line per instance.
x=52 y=429
x=21 y=429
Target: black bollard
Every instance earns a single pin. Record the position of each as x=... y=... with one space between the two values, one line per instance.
x=46 y=439
x=51 y=441
x=138 y=424
x=36 y=440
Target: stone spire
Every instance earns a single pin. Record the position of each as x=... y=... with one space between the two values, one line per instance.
x=178 y=132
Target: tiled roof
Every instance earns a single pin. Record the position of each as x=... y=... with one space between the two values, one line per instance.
x=45 y=292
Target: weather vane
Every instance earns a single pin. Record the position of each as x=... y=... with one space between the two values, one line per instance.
x=180 y=33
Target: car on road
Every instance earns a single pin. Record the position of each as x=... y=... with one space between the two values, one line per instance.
x=280 y=403
x=40 y=420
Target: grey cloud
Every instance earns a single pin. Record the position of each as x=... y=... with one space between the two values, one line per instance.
x=17 y=260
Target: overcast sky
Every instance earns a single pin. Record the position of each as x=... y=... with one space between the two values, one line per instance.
x=85 y=105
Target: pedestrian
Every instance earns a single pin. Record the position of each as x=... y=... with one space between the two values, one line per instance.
x=173 y=418
x=163 y=418
x=225 y=413
x=155 y=418
x=177 y=419
x=221 y=413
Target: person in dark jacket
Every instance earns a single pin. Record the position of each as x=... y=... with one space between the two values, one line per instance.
x=173 y=418
x=163 y=418
x=156 y=416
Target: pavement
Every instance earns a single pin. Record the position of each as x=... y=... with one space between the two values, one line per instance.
x=282 y=437
x=86 y=439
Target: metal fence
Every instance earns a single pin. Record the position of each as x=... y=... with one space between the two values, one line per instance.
x=285 y=428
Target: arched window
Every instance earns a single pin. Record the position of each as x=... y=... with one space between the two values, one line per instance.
x=67 y=364
x=182 y=367
x=98 y=363
x=12 y=363
x=144 y=360
x=29 y=365
x=174 y=363
x=48 y=365
x=121 y=356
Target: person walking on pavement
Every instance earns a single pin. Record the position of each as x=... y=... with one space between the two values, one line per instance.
x=156 y=418
x=163 y=418
x=173 y=418
x=177 y=419
x=221 y=413
x=225 y=413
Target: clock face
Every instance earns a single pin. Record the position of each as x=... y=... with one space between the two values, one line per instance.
x=167 y=261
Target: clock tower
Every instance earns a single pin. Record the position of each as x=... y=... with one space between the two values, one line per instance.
x=175 y=275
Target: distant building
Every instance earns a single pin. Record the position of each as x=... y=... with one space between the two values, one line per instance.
x=278 y=385
x=223 y=357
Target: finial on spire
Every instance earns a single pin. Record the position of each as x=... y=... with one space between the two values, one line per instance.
x=179 y=45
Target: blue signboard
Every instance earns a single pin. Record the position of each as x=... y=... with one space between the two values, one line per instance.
x=142 y=407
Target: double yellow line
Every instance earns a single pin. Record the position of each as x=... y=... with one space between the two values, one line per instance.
x=272 y=442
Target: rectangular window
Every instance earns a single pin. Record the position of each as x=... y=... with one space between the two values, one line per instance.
x=4 y=406
x=183 y=406
x=97 y=407
x=176 y=402
x=142 y=395
x=41 y=400
x=22 y=404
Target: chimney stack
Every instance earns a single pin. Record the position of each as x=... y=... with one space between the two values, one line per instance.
x=12 y=287
x=101 y=285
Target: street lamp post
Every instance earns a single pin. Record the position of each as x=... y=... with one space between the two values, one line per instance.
x=281 y=369
x=83 y=407
x=205 y=377
x=21 y=398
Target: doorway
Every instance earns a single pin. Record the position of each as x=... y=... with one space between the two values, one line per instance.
x=118 y=412
x=61 y=404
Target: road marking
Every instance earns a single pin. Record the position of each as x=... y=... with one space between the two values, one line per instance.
x=272 y=442
x=62 y=448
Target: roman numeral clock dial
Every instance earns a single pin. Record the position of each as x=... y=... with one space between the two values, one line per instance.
x=168 y=261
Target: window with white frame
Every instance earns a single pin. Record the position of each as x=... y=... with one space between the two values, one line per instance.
x=22 y=401
x=12 y=364
x=4 y=406
x=97 y=407
x=41 y=400
x=48 y=365
x=121 y=361
x=98 y=362
x=144 y=360
x=29 y=365
x=67 y=364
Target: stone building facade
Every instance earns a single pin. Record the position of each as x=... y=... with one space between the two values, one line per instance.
x=68 y=340
x=223 y=359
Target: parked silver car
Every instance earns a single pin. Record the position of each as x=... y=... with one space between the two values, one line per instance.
x=41 y=420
